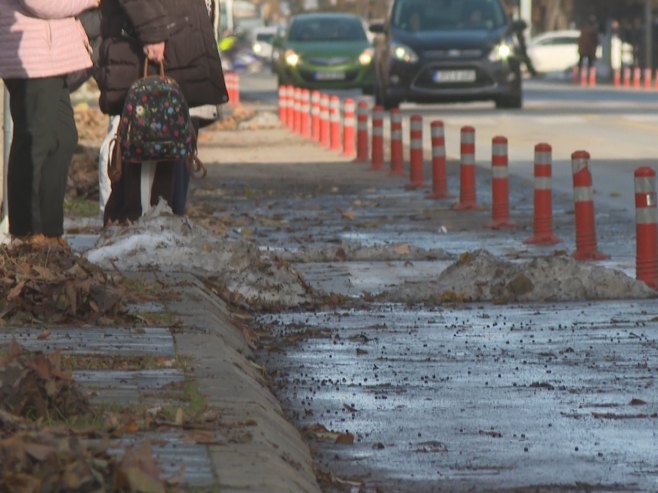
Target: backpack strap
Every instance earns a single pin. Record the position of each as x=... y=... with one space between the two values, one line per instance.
x=115 y=164
x=195 y=166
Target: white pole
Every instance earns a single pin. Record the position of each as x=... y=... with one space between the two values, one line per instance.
x=4 y=223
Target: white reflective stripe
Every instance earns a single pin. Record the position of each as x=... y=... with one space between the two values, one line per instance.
x=416 y=144
x=315 y=110
x=468 y=159
x=579 y=165
x=348 y=108
x=582 y=194
x=396 y=134
x=377 y=131
x=315 y=97
x=499 y=149
x=349 y=121
x=335 y=117
x=543 y=157
x=361 y=125
x=416 y=125
x=543 y=183
x=468 y=138
x=438 y=151
x=437 y=132
x=324 y=114
x=645 y=185
x=499 y=171
x=645 y=215
x=396 y=118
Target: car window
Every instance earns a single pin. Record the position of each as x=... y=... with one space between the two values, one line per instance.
x=266 y=37
x=327 y=29
x=437 y=15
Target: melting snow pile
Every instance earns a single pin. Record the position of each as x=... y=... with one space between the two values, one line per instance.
x=480 y=276
x=170 y=243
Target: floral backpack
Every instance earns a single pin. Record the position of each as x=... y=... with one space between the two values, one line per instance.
x=155 y=125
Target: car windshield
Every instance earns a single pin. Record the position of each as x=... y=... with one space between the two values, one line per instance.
x=439 y=15
x=327 y=29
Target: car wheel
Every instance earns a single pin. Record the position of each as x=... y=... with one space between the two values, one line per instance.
x=512 y=101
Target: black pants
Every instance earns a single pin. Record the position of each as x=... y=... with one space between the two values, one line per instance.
x=44 y=140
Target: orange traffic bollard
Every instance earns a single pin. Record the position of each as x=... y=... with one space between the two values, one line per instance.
x=543 y=208
x=397 y=152
x=647 y=78
x=283 y=104
x=616 y=78
x=583 y=198
x=416 y=179
x=499 y=185
x=439 y=179
x=646 y=259
x=297 y=111
x=325 y=136
x=377 y=153
x=627 y=77
x=305 y=113
x=362 y=132
x=592 y=76
x=334 y=124
x=349 y=122
x=315 y=116
x=467 y=187
x=290 y=119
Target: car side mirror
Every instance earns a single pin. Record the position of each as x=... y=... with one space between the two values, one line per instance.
x=376 y=28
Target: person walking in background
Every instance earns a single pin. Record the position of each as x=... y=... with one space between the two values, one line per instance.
x=41 y=42
x=588 y=42
x=181 y=35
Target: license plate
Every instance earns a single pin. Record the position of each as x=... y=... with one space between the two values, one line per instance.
x=330 y=76
x=448 y=76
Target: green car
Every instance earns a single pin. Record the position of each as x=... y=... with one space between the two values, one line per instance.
x=325 y=50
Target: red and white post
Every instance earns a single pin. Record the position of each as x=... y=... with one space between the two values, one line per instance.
x=397 y=153
x=637 y=77
x=499 y=184
x=335 y=124
x=467 y=186
x=290 y=119
x=306 y=114
x=283 y=104
x=315 y=115
x=439 y=175
x=646 y=259
x=543 y=208
x=416 y=159
x=362 y=132
x=325 y=127
x=627 y=77
x=583 y=197
x=297 y=113
x=349 y=122
x=377 y=154
x=648 y=74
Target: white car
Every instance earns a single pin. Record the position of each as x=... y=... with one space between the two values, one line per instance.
x=557 y=51
x=262 y=38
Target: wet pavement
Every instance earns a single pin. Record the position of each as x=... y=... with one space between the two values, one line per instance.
x=477 y=398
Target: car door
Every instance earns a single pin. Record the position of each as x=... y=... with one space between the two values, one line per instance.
x=556 y=53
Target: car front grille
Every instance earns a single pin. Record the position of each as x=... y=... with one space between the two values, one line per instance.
x=329 y=62
x=466 y=54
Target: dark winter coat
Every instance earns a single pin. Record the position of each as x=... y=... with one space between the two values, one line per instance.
x=191 y=54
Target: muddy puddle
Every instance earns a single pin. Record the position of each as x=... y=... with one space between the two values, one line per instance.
x=474 y=397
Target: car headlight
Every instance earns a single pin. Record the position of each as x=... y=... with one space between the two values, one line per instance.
x=257 y=48
x=403 y=53
x=292 y=58
x=501 y=52
x=366 y=56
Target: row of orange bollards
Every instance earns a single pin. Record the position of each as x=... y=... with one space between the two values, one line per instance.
x=627 y=77
x=325 y=126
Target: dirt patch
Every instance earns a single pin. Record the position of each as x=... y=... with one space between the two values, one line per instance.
x=480 y=276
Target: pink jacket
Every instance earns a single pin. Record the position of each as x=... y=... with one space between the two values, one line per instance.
x=42 y=38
